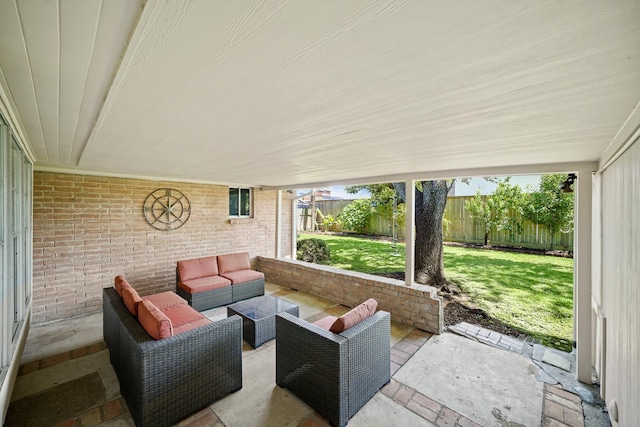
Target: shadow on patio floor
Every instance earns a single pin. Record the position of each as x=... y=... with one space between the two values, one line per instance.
x=439 y=380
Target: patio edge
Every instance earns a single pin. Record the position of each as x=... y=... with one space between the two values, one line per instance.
x=418 y=305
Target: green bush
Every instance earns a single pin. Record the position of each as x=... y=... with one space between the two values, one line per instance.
x=313 y=250
x=356 y=215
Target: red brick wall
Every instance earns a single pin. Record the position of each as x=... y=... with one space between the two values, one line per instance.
x=88 y=229
x=418 y=305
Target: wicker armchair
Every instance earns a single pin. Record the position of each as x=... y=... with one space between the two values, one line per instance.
x=335 y=374
x=165 y=380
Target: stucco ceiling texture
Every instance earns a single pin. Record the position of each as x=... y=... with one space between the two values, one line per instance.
x=290 y=93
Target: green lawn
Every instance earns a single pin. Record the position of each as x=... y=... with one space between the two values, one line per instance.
x=532 y=293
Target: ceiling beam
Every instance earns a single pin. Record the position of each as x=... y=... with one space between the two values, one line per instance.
x=454 y=173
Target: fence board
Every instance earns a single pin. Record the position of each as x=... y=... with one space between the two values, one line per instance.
x=459 y=227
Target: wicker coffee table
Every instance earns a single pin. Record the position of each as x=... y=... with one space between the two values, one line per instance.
x=259 y=317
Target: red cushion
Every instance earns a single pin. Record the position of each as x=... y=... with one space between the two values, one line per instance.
x=189 y=326
x=196 y=268
x=354 y=316
x=326 y=322
x=164 y=299
x=204 y=284
x=154 y=321
x=182 y=314
x=233 y=262
x=243 y=276
x=119 y=282
x=131 y=299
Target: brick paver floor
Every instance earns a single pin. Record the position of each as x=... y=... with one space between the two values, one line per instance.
x=560 y=408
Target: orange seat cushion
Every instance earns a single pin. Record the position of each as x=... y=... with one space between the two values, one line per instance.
x=164 y=299
x=243 y=276
x=204 y=284
x=184 y=318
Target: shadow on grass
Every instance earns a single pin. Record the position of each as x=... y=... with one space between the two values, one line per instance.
x=531 y=293
x=535 y=297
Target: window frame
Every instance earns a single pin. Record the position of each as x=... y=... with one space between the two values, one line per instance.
x=241 y=213
x=16 y=247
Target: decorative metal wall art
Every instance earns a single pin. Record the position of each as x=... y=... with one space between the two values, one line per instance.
x=166 y=209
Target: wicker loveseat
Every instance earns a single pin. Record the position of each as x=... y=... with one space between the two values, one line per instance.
x=334 y=373
x=164 y=380
x=214 y=281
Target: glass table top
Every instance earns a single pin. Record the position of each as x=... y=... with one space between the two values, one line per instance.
x=261 y=307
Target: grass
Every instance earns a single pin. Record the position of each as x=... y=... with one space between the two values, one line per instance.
x=532 y=293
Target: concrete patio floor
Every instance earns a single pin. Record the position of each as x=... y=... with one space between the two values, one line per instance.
x=443 y=380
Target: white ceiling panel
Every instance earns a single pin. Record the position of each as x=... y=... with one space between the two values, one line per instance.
x=14 y=62
x=116 y=20
x=78 y=28
x=39 y=24
x=279 y=93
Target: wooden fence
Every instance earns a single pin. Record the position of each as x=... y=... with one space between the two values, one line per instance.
x=458 y=226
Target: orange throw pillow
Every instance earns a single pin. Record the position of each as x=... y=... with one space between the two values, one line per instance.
x=119 y=283
x=354 y=316
x=155 y=322
x=131 y=299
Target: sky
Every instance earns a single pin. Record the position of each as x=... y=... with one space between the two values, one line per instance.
x=462 y=189
x=487 y=187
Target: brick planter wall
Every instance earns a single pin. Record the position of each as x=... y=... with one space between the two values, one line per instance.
x=418 y=305
x=88 y=229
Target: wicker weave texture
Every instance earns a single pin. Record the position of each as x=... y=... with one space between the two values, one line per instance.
x=250 y=289
x=222 y=296
x=335 y=374
x=165 y=380
x=209 y=299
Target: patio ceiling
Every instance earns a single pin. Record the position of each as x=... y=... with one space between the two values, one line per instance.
x=292 y=93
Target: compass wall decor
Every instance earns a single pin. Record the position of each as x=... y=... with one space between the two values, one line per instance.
x=166 y=209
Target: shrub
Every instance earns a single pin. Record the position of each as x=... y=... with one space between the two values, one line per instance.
x=356 y=215
x=330 y=223
x=313 y=250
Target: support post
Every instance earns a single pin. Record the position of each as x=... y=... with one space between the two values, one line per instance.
x=410 y=232
x=582 y=275
x=294 y=227
x=279 y=224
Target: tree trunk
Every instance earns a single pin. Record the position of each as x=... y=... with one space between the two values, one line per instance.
x=486 y=238
x=312 y=207
x=430 y=205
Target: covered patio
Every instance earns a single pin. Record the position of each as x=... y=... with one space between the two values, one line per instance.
x=436 y=380
x=229 y=108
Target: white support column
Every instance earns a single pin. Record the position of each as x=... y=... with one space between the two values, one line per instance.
x=279 y=224
x=410 y=232
x=294 y=227
x=582 y=275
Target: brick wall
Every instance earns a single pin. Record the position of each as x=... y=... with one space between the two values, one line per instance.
x=418 y=305
x=88 y=229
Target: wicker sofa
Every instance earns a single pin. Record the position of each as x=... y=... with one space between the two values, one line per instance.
x=164 y=380
x=334 y=373
x=214 y=281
